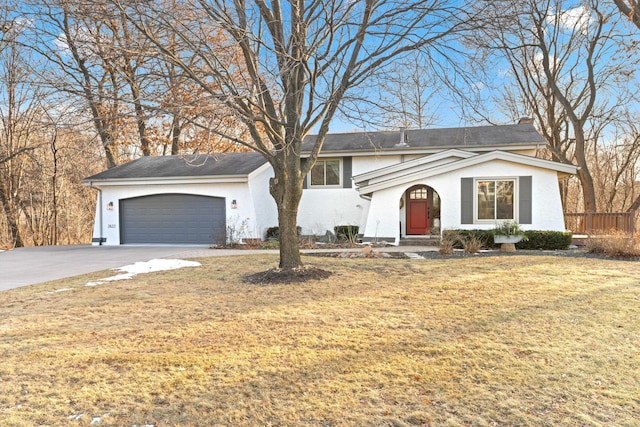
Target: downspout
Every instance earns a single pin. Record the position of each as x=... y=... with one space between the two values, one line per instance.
x=101 y=238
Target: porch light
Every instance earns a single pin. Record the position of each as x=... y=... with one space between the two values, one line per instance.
x=234 y=204
x=110 y=206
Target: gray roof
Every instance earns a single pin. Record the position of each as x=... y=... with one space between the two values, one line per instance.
x=469 y=137
x=228 y=164
x=241 y=164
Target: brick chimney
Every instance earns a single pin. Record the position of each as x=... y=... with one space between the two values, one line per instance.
x=525 y=121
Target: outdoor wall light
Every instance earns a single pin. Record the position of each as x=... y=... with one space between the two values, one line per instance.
x=234 y=204
x=110 y=206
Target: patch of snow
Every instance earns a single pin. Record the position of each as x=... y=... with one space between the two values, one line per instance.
x=129 y=271
x=95 y=420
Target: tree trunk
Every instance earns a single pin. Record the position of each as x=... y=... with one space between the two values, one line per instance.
x=139 y=110
x=635 y=205
x=110 y=154
x=175 y=135
x=287 y=197
x=586 y=180
x=12 y=222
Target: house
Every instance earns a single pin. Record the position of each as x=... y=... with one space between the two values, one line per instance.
x=391 y=184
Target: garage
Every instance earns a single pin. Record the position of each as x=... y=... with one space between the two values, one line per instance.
x=172 y=219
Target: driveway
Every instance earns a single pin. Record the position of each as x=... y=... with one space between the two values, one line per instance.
x=27 y=266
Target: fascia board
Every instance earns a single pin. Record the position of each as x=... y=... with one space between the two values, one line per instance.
x=414 y=163
x=472 y=161
x=221 y=179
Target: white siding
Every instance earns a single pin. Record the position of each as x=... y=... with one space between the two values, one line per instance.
x=322 y=209
x=547 y=213
x=266 y=213
x=229 y=191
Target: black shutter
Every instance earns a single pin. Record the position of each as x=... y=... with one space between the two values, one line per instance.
x=303 y=162
x=525 y=203
x=347 y=171
x=466 y=197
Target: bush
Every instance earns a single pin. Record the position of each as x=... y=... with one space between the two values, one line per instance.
x=472 y=243
x=347 y=233
x=448 y=242
x=535 y=239
x=461 y=236
x=615 y=245
x=273 y=233
x=545 y=240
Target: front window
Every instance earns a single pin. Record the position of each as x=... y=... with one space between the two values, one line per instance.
x=495 y=199
x=326 y=173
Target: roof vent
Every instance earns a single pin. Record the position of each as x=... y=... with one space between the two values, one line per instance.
x=403 y=139
x=525 y=121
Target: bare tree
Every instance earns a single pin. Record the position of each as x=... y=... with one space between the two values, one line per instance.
x=299 y=59
x=403 y=94
x=560 y=61
x=630 y=9
x=19 y=122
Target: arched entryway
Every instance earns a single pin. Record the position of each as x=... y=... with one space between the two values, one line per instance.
x=422 y=211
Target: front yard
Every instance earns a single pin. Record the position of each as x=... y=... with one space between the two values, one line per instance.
x=525 y=340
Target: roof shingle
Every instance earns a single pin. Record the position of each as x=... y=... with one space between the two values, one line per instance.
x=228 y=164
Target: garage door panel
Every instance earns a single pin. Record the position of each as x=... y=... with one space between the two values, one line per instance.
x=172 y=218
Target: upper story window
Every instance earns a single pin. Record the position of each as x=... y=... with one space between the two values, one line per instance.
x=495 y=199
x=326 y=173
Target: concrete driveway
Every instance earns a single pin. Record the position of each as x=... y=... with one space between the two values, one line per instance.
x=27 y=266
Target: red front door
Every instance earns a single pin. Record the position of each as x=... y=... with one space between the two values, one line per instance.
x=417 y=210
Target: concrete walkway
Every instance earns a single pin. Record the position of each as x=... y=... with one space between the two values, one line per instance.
x=28 y=266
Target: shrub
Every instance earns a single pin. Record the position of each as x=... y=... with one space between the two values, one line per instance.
x=347 y=233
x=271 y=244
x=535 y=239
x=460 y=236
x=273 y=233
x=615 y=245
x=545 y=240
x=472 y=243
x=448 y=242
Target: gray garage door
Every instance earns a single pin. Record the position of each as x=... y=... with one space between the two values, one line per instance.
x=172 y=218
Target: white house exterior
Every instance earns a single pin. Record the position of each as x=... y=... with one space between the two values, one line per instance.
x=390 y=184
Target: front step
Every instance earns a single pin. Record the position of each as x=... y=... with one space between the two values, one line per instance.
x=420 y=241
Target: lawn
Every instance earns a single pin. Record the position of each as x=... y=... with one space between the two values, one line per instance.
x=487 y=341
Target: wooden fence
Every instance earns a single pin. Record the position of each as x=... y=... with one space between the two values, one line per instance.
x=599 y=223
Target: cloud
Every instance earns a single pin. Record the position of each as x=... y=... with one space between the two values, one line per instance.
x=574 y=19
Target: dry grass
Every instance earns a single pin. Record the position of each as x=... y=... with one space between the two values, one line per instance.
x=526 y=341
x=614 y=244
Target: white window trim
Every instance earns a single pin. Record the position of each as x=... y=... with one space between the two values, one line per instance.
x=340 y=174
x=516 y=199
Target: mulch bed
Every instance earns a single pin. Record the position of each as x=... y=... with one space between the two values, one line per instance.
x=287 y=276
x=573 y=253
